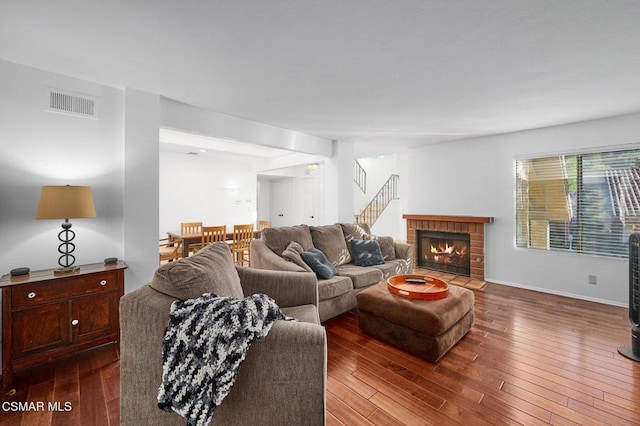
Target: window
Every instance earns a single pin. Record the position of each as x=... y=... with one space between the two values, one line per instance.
x=583 y=203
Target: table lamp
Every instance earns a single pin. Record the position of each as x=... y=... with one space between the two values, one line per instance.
x=66 y=202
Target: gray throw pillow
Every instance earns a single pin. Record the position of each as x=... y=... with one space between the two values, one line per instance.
x=366 y=252
x=210 y=270
x=293 y=253
x=319 y=263
x=354 y=231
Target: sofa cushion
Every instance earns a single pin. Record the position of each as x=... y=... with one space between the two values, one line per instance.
x=334 y=287
x=366 y=252
x=330 y=240
x=210 y=270
x=387 y=247
x=277 y=239
x=393 y=267
x=361 y=276
x=293 y=253
x=303 y=313
x=354 y=231
x=319 y=263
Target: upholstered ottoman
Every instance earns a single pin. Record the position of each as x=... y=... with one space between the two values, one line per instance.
x=428 y=328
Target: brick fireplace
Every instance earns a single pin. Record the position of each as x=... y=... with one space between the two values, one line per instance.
x=472 y=226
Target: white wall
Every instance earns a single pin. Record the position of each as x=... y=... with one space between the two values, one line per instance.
x=39 y=147
x=379 y=169
x=142 y=120
x=263 y=200
x=483 y=184
x=207 y=189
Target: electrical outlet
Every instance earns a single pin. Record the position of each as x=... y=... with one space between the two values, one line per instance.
x=593 y=279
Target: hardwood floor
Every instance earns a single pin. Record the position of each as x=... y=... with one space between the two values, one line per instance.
x=530 y=359
x=84 y=390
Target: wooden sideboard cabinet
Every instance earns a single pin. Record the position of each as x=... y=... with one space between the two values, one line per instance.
x=47 y=316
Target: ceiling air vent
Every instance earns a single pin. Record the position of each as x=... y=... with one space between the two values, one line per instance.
x=71 y=103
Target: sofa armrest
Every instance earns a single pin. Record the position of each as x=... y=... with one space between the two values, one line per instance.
x=290 y=365
x=144 y=315
x=404 y=251
x=285 y=287
x=262 y=257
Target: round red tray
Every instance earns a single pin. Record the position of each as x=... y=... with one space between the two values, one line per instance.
x=432 y=289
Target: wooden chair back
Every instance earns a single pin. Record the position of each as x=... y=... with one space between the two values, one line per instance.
x=242 y=236
x=262 y=224
x=191 y=227
x=213 y=234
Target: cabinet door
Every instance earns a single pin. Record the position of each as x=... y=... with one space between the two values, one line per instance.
x=40 y=329
x=94 y=317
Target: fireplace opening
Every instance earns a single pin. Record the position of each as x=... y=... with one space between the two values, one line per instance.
x=444 y=251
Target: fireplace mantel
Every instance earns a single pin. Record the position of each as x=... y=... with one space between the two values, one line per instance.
x=442 y=218
x=473 y=225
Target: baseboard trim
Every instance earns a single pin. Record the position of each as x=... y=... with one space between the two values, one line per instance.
x=557 y=293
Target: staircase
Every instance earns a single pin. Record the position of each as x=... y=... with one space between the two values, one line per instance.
x=380 y=201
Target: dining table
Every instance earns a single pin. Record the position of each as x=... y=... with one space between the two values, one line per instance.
x=189 y=238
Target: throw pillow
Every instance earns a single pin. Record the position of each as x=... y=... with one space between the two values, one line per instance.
x=366 y=252
x=354 y=231
x=319 y=263
x=330 y=240
x=293 y=253
x=210 y=270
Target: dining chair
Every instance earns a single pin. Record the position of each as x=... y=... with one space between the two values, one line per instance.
x=242 y=236
x=191 y=228
x=170 y=250
x=263 y=224
x=212 y=234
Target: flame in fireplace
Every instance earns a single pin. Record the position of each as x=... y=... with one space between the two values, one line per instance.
x=448 y=249
x=448 y=253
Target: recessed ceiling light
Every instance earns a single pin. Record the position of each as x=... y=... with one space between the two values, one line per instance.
x=203 y=150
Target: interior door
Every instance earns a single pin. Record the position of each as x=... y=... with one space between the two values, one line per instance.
x=308 y=200
x=282 y=202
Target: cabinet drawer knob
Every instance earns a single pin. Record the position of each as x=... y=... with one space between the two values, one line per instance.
x=74 y=322
x=31 y=295
x=103 y=282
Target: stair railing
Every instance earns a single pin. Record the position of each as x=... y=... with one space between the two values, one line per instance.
x=380 y=201
x=360 y=176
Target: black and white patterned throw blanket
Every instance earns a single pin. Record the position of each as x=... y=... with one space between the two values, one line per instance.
x=204 y=345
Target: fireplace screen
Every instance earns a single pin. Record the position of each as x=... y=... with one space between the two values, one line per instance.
x=444 y=251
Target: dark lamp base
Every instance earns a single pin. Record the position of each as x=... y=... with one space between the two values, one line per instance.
x=66 y=271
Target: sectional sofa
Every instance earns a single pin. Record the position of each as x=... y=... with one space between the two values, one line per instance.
x=281 y=249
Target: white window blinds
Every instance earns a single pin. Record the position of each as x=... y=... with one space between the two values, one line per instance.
x=584 y=203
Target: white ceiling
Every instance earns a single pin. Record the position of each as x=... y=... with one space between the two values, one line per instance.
x=394 y=72
x=173 y=140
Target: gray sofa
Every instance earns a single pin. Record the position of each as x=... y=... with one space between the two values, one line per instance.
x=336 y=294
x=282 y=381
